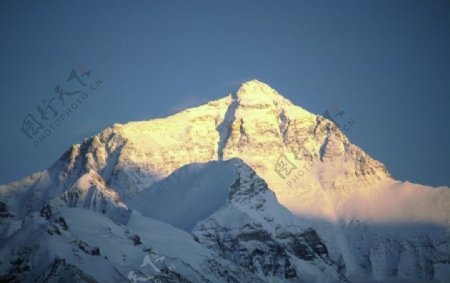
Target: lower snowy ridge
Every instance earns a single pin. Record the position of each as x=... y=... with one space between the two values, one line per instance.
x=206 y=222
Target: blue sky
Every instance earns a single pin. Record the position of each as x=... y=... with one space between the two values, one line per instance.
x=385 y=63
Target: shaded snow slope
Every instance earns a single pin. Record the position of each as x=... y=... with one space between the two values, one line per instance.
x=84 y=245
x=168 y=168
x=230 y=210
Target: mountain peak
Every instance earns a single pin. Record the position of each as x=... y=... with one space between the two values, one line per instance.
x=257 y=89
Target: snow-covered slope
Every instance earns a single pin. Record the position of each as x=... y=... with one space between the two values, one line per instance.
x=230 y=210
x=188 y=195
x=196 y=191
x=86 y=246
x=349 y=199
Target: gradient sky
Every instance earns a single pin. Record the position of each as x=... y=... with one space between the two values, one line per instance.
x=385 y=63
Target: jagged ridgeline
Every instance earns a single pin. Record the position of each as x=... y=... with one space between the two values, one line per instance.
x=247 y=188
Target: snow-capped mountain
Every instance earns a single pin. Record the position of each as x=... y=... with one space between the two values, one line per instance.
x=230 y=210
x=257 y=188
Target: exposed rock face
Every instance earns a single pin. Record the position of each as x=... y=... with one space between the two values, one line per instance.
x=255 y=232
x=60 y=271
x=352 y=219
x=256 y=124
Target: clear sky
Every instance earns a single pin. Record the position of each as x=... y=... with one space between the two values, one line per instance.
x=385 y=63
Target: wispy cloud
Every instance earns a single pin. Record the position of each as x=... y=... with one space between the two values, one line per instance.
x=187 y=102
